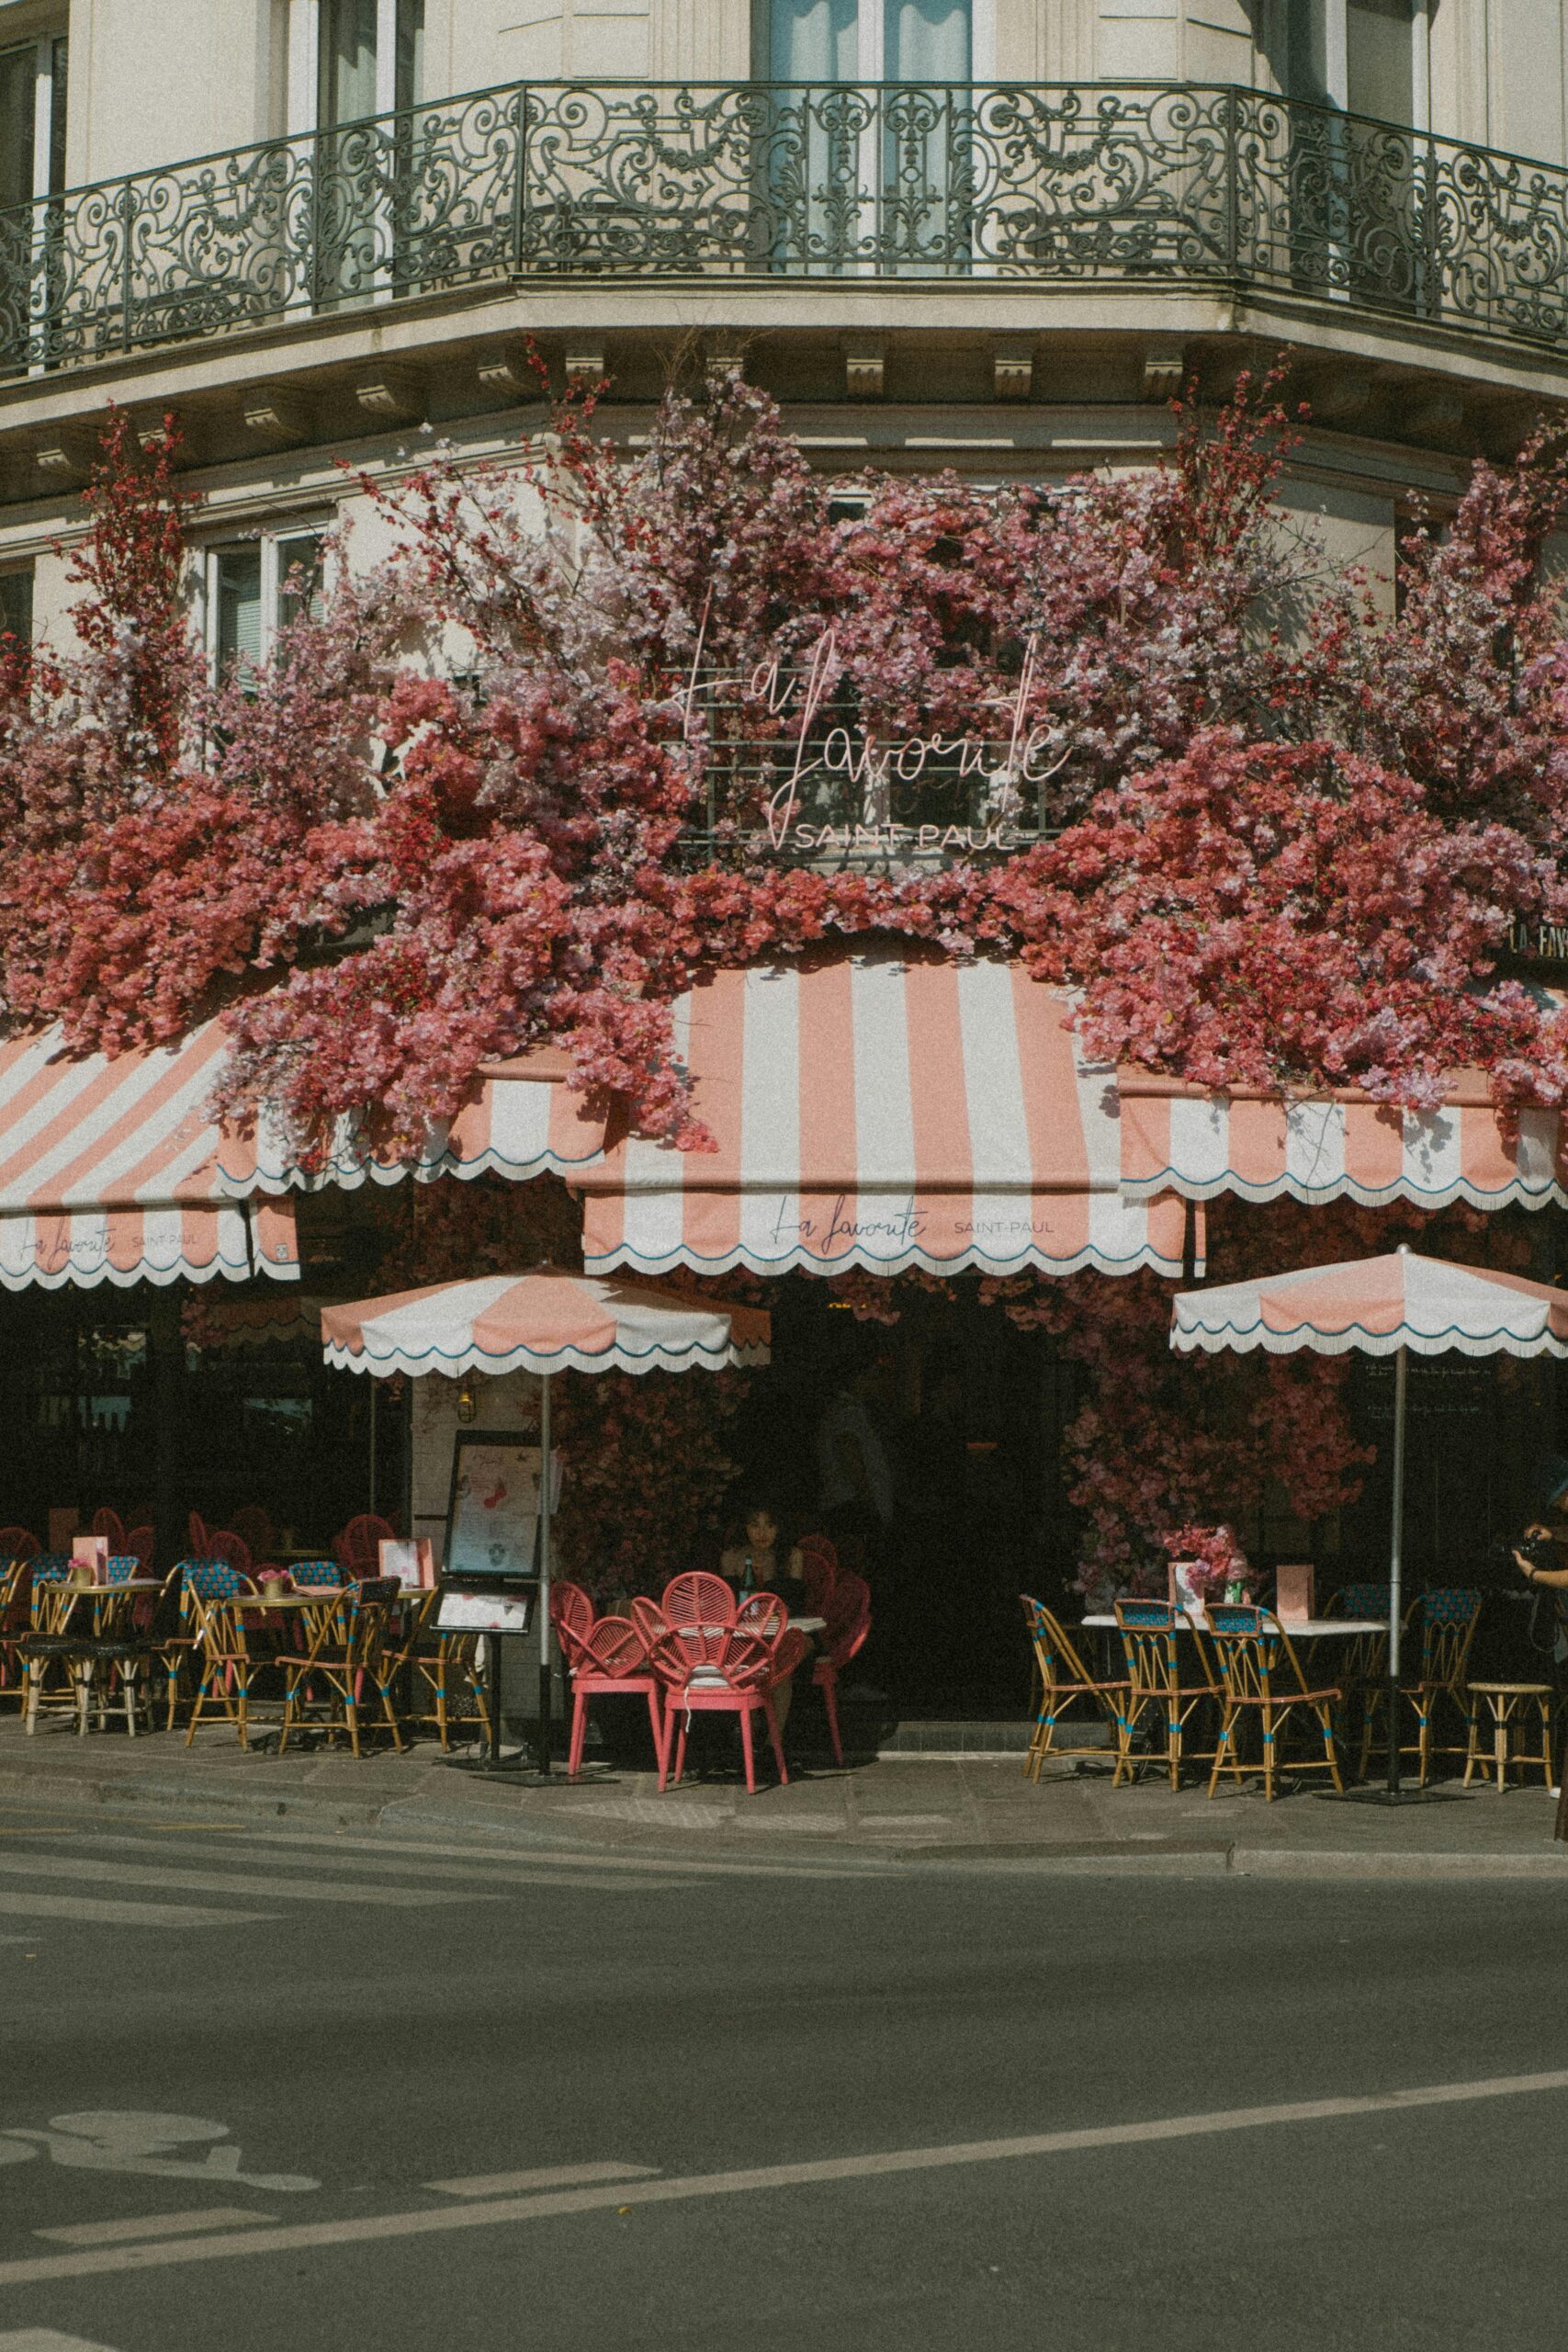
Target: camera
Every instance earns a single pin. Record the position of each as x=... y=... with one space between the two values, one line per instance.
x=1537 y=1551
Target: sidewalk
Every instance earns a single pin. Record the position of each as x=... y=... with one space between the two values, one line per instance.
x=895 y=1810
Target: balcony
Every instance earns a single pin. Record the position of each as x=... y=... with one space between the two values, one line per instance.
x=1174 y=187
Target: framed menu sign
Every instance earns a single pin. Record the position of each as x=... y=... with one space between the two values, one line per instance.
x=492 y=1516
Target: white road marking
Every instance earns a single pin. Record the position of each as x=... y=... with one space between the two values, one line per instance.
x=511 y=2184
x=545 y=2205
x=482 y=1859
x=46 y=2339
x=286 y=1890
x=153 y=2225
x=120 y=1914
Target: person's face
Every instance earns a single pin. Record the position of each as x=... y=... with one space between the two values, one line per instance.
x=762 y=1530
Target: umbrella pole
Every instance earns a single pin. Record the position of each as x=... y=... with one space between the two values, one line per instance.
x=544 y=1574
x=1396 y=1563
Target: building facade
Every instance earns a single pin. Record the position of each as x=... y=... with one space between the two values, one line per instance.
x=994 y=236
x=989 y=235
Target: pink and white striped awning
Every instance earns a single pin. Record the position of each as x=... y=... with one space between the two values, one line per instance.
x=523 y=1120
x=1174 y=1139
x=886 y=1113
x=108 y=1171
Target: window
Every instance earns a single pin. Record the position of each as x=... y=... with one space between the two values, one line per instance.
x=17 y=604
x=868 y=40
x=32 y=120
x=370 y=58
x=1366 y=56
x=254 y=587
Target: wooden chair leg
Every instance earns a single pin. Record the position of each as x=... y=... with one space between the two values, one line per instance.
x=1325 y=1716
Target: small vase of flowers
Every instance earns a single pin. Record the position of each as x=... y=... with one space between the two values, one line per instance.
x=1207 y=1563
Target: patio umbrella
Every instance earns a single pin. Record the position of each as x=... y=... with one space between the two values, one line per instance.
x=1391 y=1306
x=543 y=1322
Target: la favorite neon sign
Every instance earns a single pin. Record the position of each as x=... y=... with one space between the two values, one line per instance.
x=1032 y=756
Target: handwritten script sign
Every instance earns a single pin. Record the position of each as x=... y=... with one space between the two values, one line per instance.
x=815 y=751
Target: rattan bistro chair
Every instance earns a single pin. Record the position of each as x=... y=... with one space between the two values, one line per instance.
x=1447 y=1619
x=1262 y=1678
x=1062 y=1681
x=347 y=1661
x=1158 y=1702
x=210 y=1595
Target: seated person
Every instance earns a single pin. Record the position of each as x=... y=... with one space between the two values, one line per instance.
x=763 y=1557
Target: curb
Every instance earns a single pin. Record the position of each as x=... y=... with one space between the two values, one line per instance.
x=412 y=1817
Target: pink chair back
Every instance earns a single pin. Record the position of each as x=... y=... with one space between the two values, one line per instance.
x=572 y=1614
x=697 y=1599
x=17 y=1544
x=223 y=1543
x=613 y=1646
x=253 y=1526
x=711 y=1654
x=358 y=1544
x=820 y=1562
x=197 y=1529
x=142 y=1541
x=848 y=1620
x=650 y=1621
x=109 y=1523
x=764 y=1614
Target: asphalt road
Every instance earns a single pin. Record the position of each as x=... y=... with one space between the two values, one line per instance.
x=260 y=2090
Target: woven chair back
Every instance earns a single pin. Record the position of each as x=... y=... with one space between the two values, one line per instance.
x=1255 y=1655
x=1448 y=1619
x=1054 y=1652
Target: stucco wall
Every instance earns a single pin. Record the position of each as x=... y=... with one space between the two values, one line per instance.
x=155 y=81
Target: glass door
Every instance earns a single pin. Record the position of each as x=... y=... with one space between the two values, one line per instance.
x=1356 y=168
x=864 y=144
x=369 y=55
x=32 y=168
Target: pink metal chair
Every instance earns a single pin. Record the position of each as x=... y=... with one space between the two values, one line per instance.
x=142 y=1542
x=612 y=1660
x=820 y=1562
x=848 y=1613
x=711 y=1670
x=18 y=1543
x=358 y=1544
x=197 y=1529
x=109 y=1523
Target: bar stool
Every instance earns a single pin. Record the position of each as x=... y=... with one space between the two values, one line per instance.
x=1507 y=1702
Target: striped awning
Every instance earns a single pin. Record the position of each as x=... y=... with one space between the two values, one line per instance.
x=1174 y=1139
x=523 y=1120
x=887 y=1114
x=108 y=1171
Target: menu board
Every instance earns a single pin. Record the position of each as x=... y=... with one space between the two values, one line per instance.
x=493 y=1517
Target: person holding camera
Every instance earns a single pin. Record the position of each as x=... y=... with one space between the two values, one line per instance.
x=1541 y=1556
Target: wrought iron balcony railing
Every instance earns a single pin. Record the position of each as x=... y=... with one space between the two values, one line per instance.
x=1083 y=184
